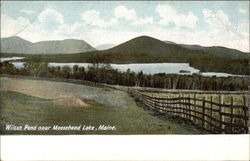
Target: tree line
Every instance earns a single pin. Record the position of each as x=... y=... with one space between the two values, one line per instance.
x=106 y=74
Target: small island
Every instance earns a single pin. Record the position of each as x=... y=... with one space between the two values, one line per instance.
x=184 y=71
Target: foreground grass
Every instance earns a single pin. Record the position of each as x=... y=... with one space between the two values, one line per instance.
x=114 y=108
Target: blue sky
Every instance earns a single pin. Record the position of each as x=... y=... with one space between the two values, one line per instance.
x=103 y=22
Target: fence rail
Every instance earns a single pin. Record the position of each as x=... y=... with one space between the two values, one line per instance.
x=186 y=91
x=207 y=114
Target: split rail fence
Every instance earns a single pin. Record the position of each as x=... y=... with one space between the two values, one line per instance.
x=209 y=115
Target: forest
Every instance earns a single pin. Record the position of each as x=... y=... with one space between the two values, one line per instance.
x=106 y=74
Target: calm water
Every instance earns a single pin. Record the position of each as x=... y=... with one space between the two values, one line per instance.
x=148 y=68
x=151 y=68
x=10 y=58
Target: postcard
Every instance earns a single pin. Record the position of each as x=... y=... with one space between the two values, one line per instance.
x=124 y=67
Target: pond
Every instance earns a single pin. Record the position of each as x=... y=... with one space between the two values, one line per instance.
x=147 y=68
x=10 y=58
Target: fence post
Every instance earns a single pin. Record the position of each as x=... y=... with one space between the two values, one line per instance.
x=211 y=112
x=170 y=102
x=155 y=107
x=195 y=109
x=166 y=105
x=142 y=97
x=232 y=112
x=177 y=105
x=246 y=112
x=172 y=108
x=189 y=108
x=222 y=118
x=203 y=113
x=180 y=106
x=185 y=106
x=161 y=104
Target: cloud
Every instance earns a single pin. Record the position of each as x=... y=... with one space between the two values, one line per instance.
x=130 y=15
x=11 y=26
x=221 y=31
x=92 y=17
x=50 y=19
x=243 y=11
x=27 y=11
x=217 y=30
x=219 y=22
x=143 y=21
x=243 y=26
x=216 y=19
x=123 y=12
x=169 y=15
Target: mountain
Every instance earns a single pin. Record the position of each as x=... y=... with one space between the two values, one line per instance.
x=105 y=46
x=217 y=51
x=147 y=49
x=18 y=45
x=14 y=45
x=169 y=42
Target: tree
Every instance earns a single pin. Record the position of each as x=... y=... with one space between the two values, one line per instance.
x=66 y=70
x=81 y=73
x=37 y=69
x=75 y=72
x=7 y=68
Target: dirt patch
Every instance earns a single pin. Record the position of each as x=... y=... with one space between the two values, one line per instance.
x=68 y=101
x=50 y=90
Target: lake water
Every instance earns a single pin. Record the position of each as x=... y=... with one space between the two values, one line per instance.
x=148 y=68
x=152 y=68
x=10 y=58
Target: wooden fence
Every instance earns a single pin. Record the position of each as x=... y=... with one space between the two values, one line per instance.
x=209 y=115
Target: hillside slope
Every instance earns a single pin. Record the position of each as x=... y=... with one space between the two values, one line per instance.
x=21 y=46
x=146 y=49
x=105 y=46
x=25 y=101
x=218 y=51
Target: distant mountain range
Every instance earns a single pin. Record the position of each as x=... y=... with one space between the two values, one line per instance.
x=20 y=46
x=219 y=51
x=148 y=49
x=137 y=47
x=105 y=46
x=142 y=49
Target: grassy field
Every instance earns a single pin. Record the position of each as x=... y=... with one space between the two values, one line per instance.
x=28 y=102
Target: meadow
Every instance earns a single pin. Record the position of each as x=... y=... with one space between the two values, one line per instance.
x=32 y=102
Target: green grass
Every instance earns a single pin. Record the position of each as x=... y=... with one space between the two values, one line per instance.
x=119 y=110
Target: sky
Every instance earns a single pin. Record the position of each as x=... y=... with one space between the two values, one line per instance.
x=207 y=23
